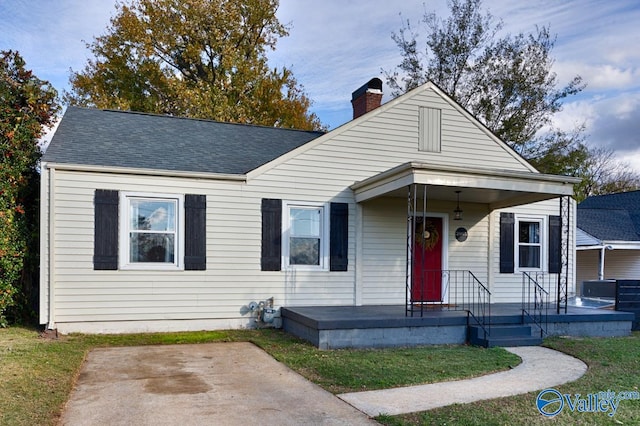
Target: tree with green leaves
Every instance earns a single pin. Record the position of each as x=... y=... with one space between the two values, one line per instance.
x=195 y=58
x=508 y=84
x=27 y=106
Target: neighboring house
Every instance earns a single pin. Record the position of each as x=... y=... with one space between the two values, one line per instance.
x=153 y=223
x=608 y=237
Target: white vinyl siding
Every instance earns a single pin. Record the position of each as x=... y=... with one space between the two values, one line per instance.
x=622 y=264
x=384 y=251
x=618 y=264
x=389 y=139
x=587 y=264
x=232 y=279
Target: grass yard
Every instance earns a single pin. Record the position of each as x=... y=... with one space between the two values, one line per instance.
x=614 y=364
x=37 y=374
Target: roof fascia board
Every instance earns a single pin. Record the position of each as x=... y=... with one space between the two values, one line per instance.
x=615 y=245
x=145 y=172
x=628 y=245
x=592 y=247
x=550 y=186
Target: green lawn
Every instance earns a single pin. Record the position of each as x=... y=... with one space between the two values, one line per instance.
x=614 y=364
x=37 y=374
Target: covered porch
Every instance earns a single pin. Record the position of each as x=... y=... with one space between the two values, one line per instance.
x=442 y=231
x=453 y=237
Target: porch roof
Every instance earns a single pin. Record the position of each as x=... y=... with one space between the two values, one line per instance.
x=496 y=188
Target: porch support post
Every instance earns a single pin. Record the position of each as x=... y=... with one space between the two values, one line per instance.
x=414 y=215
x=411 y=200
x=565 y=239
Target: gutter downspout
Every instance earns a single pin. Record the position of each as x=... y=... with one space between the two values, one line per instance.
x=601 y=260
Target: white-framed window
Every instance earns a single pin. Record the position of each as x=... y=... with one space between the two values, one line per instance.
x=305 y=229
x=530 y=242
x=151 y=231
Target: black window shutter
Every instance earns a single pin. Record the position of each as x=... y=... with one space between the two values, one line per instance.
x=195 y=232
x=271 y=235
x=507 y=225
x=105 y=235
x=338 y=236
x=555 y=241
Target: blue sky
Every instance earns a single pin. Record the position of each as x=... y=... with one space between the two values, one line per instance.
x=335 y=46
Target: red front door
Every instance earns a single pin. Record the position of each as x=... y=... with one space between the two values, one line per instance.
x=426 y=284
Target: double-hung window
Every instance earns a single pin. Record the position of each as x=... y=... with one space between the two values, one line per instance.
x=304 y=235
x=529 y=243
x=305 y=227
x=151 y=231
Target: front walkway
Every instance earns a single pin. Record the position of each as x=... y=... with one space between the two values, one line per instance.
x=541 y=368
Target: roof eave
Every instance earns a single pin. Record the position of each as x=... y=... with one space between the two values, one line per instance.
x=145 y=172
x=518 y=187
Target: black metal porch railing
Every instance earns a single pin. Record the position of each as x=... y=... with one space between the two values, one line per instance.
x=455 y=290
x=535 y=301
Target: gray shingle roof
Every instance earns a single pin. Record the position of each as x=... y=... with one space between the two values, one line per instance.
x=613 y=217
x=146 y=141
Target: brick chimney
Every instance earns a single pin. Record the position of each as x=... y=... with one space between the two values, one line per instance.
x=367 y=98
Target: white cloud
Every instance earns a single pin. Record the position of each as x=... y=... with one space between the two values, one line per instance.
x=575 y=114
x=49 y=35
x=598 y=77
x=631 y=158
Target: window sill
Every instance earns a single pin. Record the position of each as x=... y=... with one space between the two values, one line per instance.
x=305 y=268
x=150 y=267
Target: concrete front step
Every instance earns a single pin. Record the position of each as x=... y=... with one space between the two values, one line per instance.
x=503 y=336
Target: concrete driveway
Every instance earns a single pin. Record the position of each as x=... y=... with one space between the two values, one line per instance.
x=206 y=384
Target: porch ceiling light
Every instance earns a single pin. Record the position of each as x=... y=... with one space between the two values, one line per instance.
x=457 y=213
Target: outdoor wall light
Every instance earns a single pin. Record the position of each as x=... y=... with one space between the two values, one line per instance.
x=457 y=213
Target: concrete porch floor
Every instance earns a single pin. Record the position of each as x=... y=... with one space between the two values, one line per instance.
x=332 y=327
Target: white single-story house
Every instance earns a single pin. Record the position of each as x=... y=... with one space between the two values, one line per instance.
x=158 y=223
x=608 y=238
